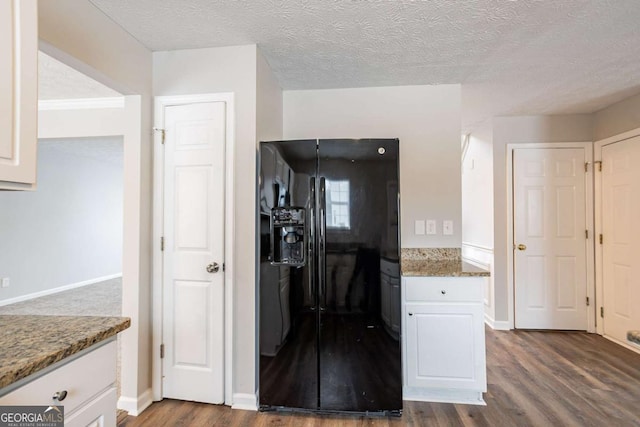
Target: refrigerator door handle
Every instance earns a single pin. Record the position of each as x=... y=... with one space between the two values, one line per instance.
x=322 y=255
x=313 y=288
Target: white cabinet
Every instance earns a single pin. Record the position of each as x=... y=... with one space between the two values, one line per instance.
x=444 y=346
x=18 y=93
x=89 y=382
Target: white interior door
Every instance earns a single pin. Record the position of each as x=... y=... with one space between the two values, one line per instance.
x=193 y=293
x=550 y=268
x=621 y=232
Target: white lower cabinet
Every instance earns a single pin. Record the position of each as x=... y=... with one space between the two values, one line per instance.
x=444 y=347
x=89 y=381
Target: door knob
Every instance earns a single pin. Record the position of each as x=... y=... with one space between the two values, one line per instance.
x=522 y=247
x=213 y=267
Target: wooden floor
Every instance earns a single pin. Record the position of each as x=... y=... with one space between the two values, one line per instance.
x=535 y=379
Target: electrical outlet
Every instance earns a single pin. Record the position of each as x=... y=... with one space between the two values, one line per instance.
x=5 y=282
x=447 y=228
x=419 y=227
x=431 y=226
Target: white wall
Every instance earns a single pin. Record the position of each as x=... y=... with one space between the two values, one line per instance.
x=268 y=128
x=477 y=206
x=243 y=71
x=78 y=34
x=524 y=129
x=70 y=229
x=617 y=118
x=426 y=119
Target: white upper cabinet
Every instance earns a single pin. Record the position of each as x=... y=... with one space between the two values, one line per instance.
x=18 y=93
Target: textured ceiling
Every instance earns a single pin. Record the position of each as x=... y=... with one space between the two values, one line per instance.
x=514 y=57
x=59 y=81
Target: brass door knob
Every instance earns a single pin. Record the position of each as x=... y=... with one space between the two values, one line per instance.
x=522 y=247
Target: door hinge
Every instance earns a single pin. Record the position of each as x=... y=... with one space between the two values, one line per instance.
x=163 y=134
x=599 y=163
x=601 y=239
x=586 y=234
x=587 y=301
x=602 y=312
x=161 y=351
x=162 y=243
x=586 y=166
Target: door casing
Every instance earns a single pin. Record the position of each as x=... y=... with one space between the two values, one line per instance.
x=588 y=147
x=158 y=225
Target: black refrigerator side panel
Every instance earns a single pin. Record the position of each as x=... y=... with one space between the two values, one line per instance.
x=288 y=318
x=359 y=287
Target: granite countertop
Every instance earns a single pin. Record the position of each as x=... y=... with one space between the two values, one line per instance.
x=437 y=262
x=31 y=343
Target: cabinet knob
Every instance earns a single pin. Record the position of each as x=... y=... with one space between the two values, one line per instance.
x=443 y=292
x=60 y=395
x=410 y=314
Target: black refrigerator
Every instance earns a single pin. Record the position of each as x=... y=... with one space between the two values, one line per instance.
x=329 y=289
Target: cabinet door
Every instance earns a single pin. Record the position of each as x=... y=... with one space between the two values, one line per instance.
x=445 y=346
x=18 y=93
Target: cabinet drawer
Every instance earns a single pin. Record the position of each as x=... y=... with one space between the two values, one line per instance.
x=100 y=412
x=83 y=379
x=444 y=289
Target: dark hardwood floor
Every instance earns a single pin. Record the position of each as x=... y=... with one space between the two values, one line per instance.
x=534 y=379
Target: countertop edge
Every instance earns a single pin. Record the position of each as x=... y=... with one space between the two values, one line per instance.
x=38 y=364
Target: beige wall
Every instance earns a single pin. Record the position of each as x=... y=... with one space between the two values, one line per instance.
x=477 y=206
x=78 y=34
x=258 y=114
x=426 y=119
x=524 y=129
x=617 y=118
x=268 y=128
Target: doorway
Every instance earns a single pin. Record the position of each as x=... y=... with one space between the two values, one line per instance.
x=618 y=207
x=551 y=236
x=192 y=258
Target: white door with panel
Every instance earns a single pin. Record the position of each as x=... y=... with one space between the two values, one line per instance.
x=621 y=233
x=18 y=93
x=193 y=277
x=550 y=243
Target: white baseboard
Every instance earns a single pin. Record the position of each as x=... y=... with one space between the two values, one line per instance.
x=497 y=325
x=245 y=401
x=465 y=397
x=626 y=344
x=135 y=406
x=58 y=289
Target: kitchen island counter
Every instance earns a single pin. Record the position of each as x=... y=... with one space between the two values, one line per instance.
x=30 y=343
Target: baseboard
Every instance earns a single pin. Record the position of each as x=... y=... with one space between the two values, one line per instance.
x=245 y=401
x=497 y=325
x=626 y=344
x=135 y=406
x=464 y=397
x=58 y=289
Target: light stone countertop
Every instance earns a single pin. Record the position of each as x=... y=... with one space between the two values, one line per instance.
x=437 y=262
x=31 y=343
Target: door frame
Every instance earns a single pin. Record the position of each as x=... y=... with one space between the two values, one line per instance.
x=597 y=148
x=160 y=103
x=589 y=242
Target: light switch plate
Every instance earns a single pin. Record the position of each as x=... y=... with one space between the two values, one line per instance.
x=5 y=282
x=447 y=228
x=419 y=227
x=432 y=226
